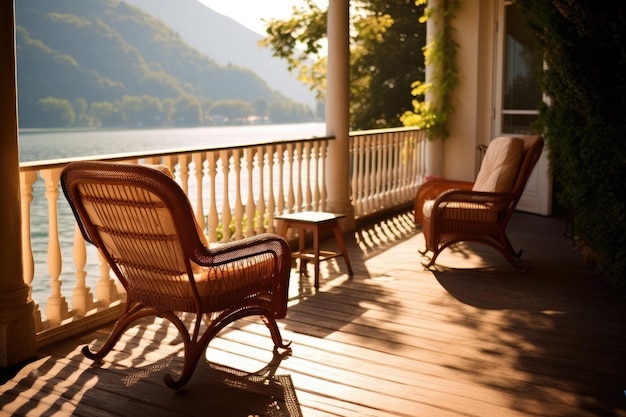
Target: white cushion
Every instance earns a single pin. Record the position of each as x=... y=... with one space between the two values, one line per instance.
x=500 y=165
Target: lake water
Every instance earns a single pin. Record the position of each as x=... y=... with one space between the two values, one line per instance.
x=41 y=145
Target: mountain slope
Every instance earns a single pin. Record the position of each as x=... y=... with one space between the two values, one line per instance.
x=227 y=42
x=103 y=50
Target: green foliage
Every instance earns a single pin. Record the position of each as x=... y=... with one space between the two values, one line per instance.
x=386 y=36
x=434 y=112
x=299 y=41
x=232 y=109
x=585 y=54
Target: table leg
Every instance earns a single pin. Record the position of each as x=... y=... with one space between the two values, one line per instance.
x=342 y=248
x=316 y=254
x=301 y=245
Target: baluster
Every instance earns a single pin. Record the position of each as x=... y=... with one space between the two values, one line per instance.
x=271 y=204
x=260 y=227
x=224 y=158
x=390 y=183
x=56 y=305
x=153 y=160
x=358 y=176
x=316 y=179
x=419 y=164
x=280 y=159
x=398 y=168
x=250 y=209
x=238 y=202
x=379 y=170
x=368 y=195
x=308 y=194
x=324 y=170
x=82 y=299
x=106 y=290
x=198 y=162
x=184 y=172
x=226 y=213
x=213 y=216
x=387 y=174
x=27 y=179
x=170 y=162
x=404 y=157
x=423 y=157
x=290 y=193
x=299 y=183
x=414 y=173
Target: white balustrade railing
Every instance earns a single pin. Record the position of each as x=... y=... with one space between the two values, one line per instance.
x=235 y=192
x=387 y=167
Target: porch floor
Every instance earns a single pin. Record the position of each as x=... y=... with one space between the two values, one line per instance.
x=475 y=338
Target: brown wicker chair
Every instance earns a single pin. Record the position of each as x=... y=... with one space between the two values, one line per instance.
x=453 y=211
x=143 y=225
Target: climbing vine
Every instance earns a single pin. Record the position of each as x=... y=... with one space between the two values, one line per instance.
x=440 y=54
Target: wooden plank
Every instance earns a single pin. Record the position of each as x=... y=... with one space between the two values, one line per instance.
x=393 y=340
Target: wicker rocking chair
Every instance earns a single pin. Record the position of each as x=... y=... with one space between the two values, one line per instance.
x=143 y=225
x=455 y=211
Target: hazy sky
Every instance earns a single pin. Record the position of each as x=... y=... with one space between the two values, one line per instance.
x=250 y=12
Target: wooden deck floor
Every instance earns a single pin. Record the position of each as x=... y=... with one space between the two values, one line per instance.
x=475 y=338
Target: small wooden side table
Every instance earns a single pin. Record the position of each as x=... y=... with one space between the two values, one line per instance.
x=317 y=222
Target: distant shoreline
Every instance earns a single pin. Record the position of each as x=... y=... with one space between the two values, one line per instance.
x=47 y=130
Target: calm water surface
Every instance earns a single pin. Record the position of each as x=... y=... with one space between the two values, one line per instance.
x=39 y=145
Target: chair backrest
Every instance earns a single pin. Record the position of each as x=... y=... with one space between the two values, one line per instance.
x=138 y=217
x=500 y=165
x=533 y=145
x=508 y=163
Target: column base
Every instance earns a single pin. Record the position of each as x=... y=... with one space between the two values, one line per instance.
x=18 y=342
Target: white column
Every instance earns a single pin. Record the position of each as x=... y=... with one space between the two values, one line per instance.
x=337 y=111
x=434 y=148
x=17 y=325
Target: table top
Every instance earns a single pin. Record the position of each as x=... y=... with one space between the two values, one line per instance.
x=310 y=216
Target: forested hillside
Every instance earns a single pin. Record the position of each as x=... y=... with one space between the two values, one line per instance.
x=106 y=63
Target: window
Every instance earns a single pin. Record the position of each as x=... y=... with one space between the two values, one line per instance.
x=519 y=94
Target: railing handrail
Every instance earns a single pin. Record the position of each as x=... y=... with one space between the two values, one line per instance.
x=56 y=163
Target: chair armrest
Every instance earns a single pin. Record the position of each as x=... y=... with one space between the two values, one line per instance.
x=481 y=199
x=431 y=189
x=244 y=248
x=234 y=255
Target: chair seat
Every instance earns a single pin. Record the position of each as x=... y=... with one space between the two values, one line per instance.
x=464 y=211
x=218 y=287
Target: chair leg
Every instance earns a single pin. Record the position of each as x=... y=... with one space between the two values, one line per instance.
x=431 y=262
x=277 y=338
x=127 y=318
x=194 y=349
x=509 y=247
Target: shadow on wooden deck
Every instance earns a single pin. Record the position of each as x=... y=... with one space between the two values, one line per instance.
x=476 y=337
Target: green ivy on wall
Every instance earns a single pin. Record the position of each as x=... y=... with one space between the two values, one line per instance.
x=585 y=78
x=440 y=54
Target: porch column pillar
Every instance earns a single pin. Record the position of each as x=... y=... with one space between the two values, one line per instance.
x=434 y=148
x=17 y=325
x=338 y=112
